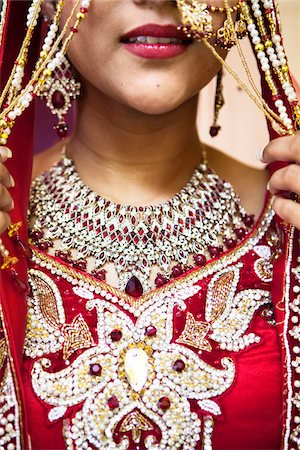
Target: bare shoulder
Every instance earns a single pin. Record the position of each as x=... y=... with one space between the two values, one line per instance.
x=44 y=160
x=248 y=182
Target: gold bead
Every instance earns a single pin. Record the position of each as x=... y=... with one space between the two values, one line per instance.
x=285 y=69
x=43 y=54
x=259 y=47
x=4 y=136
x=3 y=123
x=80 y=16
x=47 y=73
x=268 y=44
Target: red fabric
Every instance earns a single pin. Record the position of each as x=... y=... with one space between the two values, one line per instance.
x=251 y=407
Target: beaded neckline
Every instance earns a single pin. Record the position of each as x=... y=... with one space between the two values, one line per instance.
x=201 y=221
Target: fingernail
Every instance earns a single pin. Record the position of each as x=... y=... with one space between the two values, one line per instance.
x=268 y=186
x=259 y=155
x=12 y=181
x=5 y=152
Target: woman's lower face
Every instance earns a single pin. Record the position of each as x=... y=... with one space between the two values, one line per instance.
x=123 y=50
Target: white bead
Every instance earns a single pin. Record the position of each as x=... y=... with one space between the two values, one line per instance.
x=251 y=27
x=278 y=104
x=296 y=349
x=276 y=39
x=257 y=14
x=256 y=40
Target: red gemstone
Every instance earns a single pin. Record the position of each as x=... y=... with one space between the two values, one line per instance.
x=134 y=287
x=100 y=274
x=178 y=365
x=150 y=331
x=64 y=256
x=240 y=232
x=248 y=220
x=74 y=30
x=199 y=259
x=214 y=131
x=37 y=235
x=230 y=243
x=95 y=370
x=164 y=403
x=43 y=246
x=80 y=264
x=113 y=402
x=160 y=280
x=214 y=251
x=58 y=100
x=61 y=130
x=116 y=335
x=177 y=271
x=84 y=10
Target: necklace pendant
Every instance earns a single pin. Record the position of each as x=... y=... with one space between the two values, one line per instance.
x=134 y=287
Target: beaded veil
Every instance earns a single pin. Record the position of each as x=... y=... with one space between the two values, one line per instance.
x=25 y=68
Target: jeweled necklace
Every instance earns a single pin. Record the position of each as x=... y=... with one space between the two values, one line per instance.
x=197 y=223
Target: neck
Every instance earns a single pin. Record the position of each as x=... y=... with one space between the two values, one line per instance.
x=153 y=156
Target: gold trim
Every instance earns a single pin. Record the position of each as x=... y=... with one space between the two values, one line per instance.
x=195 y=275
x=2 y=18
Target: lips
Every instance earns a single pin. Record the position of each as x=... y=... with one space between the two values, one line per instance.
x=156 y=41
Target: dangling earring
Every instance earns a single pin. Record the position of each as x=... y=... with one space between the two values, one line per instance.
x=219 y=103
x=59 y=90
x=226 y=34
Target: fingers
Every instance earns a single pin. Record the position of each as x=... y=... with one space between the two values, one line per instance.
x=285 y=179
x=288 y=210
x=285 y=148
x=5 y=178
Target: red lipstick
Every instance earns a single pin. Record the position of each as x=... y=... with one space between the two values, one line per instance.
x=156 y=41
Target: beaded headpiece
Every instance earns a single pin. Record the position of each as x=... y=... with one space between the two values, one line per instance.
x=257 y=18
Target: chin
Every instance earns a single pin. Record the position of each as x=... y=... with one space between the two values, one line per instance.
x=157 y=102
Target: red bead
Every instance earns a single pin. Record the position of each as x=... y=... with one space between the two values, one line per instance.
x=61 y=130
x=199 y=259
x=214 y=131
x=100 y=274
x=214 y=251
x=43 y=246
x=58 y=100
x=64 y=256
x=113 y=402
x=134 y=287
x=177 y=271
x=84 y=10
x=160 y=280
x=37 y=235
x=150 y=331
x=116 y=335
x=178 y=365
x=74 y=30
x=248 y=220
x=164 y=403
x=95 y=370
x=240 y=232
x=81 y=265
x=230 y=243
